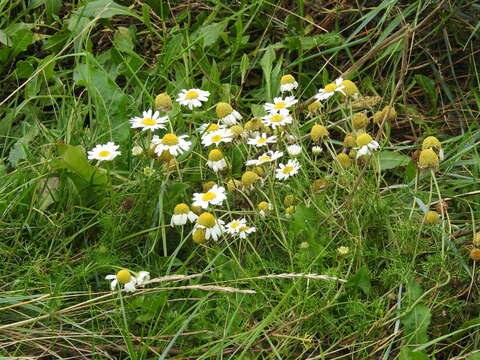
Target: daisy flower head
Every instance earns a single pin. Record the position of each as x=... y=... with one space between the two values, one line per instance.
x=182 y=213
x=262 y=140
x=283 y=172
x=280 y=103
x=288 y=83
x=192 y=98
x=263 y=208
x=226 y=114
x=234 y=226
x=175 y=145
x=108 y=152
x=245 y=231
x=318 y=132
x=269 y=156
x=365 y=145
x=294 y=150
x=209 y=127
x=330 y=89
x=280 y=118
x=212 y=226
x=217 y=136
x=214 y=196
x=216 y=160
x=128 y=281
x=149 y=121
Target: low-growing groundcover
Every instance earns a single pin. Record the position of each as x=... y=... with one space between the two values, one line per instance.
x=246 y=179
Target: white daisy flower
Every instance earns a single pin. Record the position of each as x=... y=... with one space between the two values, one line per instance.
x=365 y=145
x=216 y=160
x=262 y=140
x=216 y=137
x=280 y=118
x=280 y=104
x=128 y=281
x=215 y=196
x=106 y=152
x=288 y=83
x=182 y=213
x=149 y=121
x=245 y=231
x=269 y=156
x=226 y=114
x=330 y=89
x=233 y=227
x=213 y=226
x=175 y=145
x=285 y=171
x=294 y=150
x=192 y=97
x=209 y=127
x=316 y=150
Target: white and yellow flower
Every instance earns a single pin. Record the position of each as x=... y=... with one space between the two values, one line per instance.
x=149 y=121
x=262 y=140
x=269 y=156
x=330 y=89
x=216 y=137
x=182 y=213
x=343 y=250
x=263 y=208
x=226 y=114
x=128 y=281
x=107 y=152
x=213 y=227
x=214 y=196
x=234 y=226
x=280 y=118
x=365 y=145
x=288 y=83
x=192 y=97
x=175 y=145
x=280 y=104
x=216 y=160
x=209 y=127
x=245 y=231
x=284 y=171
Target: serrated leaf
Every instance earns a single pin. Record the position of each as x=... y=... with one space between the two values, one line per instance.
x=391 y=160
x=361 y=280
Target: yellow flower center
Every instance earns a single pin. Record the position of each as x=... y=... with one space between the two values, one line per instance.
x=287 y=79
x=199 y=236
x=264 y=158
x=209 y=196
x=181 y=209
x=243 y=228
x=170 y=140
x=263 y=206
x=192 y=94
x=148 y=122
x=364 y=139
x=212 y=127
x=287 y=169
x=123 y=276
x=235 y=224
x=262 y=140
x=215 y=155
x=276 y=118
x=249 y=178
x=330 y=87
x=223 y=109
x=104 y=153
x=216 y=138
x=206 y=219
x=280 y=105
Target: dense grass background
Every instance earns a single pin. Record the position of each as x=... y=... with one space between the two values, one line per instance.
x=74 y=73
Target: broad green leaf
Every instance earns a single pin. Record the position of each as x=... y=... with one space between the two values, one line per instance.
x=5 y=39
x=429 y=87
x=391 y=160
x=52 y=7
x=21 y=40
x=407 y=354
x=244 y=65
x=416 y=323
x=361 y=280
x=18 y=152
x=103 y=9
x=304 y=219
x=210 y=34
x=122 y=39
x=58 y=40
x=23 y=69
x=266 y=62
x=173 y=49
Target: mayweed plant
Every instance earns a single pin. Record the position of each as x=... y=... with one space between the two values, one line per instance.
x=291 y=137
